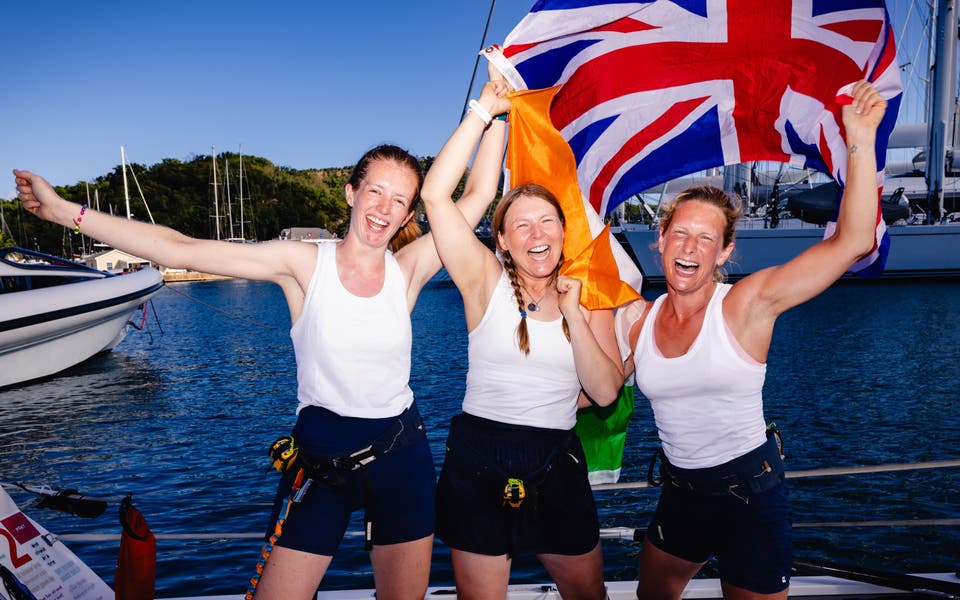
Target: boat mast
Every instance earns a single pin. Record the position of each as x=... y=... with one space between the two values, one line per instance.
x=83 y=244
x=126 y=189
x=142 y=197
x=944 y=85
x=216 y=201
x=226 y=184
x=242 y=235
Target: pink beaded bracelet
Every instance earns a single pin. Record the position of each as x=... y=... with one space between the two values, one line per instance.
x=76 y=222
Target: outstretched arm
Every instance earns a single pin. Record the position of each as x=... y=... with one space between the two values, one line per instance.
x=772 y=291
x=595 y=350
x=272 y=261
x=468 y=261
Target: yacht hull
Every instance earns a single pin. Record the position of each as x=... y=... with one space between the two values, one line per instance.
x=44 y=331
x=916 y=251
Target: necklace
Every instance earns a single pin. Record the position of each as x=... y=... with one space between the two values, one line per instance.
x=534 y=305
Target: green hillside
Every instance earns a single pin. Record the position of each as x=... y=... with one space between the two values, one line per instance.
x=180 y=195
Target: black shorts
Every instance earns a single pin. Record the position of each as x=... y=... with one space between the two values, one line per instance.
x=558 y=514
x=399 y=501
x=749 y=531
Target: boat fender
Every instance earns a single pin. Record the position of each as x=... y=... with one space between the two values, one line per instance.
x=136 y=573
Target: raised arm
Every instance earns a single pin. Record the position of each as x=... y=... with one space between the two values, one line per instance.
x=267 y=262
x=594 y=342
x=768 y=293
x=468 y=261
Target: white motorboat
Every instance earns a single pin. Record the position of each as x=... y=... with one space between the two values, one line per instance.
x=55 y=313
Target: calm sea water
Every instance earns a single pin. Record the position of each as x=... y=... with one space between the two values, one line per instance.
x=181 y=416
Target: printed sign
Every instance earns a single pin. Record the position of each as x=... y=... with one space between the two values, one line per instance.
x=34 y=565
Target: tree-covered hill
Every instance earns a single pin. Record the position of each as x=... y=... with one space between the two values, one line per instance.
x=181 y=195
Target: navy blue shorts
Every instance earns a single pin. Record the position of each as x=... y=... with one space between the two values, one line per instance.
x=558 y=514
x=749 y=532
x=402 y=485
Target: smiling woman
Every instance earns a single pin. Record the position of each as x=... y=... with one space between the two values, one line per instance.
x=700 y=238
x=514 y=477
x=700 y=351
x=350 y=306
x=384 y=189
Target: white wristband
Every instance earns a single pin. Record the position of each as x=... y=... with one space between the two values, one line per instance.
x=480 y=111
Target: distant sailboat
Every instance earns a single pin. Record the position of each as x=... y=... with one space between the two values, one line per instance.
x=103 y=257
x=171 y=275
x=235 y=225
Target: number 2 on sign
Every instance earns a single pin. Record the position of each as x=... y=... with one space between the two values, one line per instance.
x=18 y=560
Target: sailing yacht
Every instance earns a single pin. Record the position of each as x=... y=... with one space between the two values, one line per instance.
x=921 y=200
x=171 y=275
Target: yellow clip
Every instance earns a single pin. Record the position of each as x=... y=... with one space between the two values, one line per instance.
x=283 y=453
x=514 y=492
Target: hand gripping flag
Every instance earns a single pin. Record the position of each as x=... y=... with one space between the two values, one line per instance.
x=537 y=153
x=651 y=91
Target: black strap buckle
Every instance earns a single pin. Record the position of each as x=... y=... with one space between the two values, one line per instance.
x=772 y=430
x=652 y=480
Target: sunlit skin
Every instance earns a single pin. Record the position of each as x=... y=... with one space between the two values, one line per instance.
x=381 y=203
x=380 y=206
x=533 y=234
x=692 y=246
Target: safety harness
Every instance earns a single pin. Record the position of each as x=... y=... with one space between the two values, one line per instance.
x=520 y=492
x=308 y=469
x=755 y=472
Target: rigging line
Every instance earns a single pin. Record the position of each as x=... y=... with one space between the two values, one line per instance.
x=219 y=310
x=937 y=464
x=899 y=523
x=628 y=485
x=608 y=533
x=476 y=63
x=156 y=319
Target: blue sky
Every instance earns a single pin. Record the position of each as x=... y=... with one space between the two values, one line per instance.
x=304 y=84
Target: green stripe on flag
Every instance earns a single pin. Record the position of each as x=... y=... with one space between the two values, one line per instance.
x=603 y=433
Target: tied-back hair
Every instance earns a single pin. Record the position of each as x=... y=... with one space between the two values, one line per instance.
x=411 y=230
x=730 y=204
x=499 y=216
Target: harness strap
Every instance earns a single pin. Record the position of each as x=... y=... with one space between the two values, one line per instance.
x=752 y=473
x=267 y=549
x=406 y=430
x=518 y=494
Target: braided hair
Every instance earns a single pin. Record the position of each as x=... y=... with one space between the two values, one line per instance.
x=499 y=216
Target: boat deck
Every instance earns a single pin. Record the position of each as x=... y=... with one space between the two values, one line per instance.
x=809 y=587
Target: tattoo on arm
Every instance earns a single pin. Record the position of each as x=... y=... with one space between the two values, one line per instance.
x=854 y=148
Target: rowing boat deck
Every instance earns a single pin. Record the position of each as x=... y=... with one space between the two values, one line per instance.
x=808 y=587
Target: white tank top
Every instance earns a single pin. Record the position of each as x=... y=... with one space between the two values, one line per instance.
x=707 y=403
x=539 y=389
x=353 y=353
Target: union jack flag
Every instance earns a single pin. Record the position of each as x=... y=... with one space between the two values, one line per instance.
x=651 y=91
